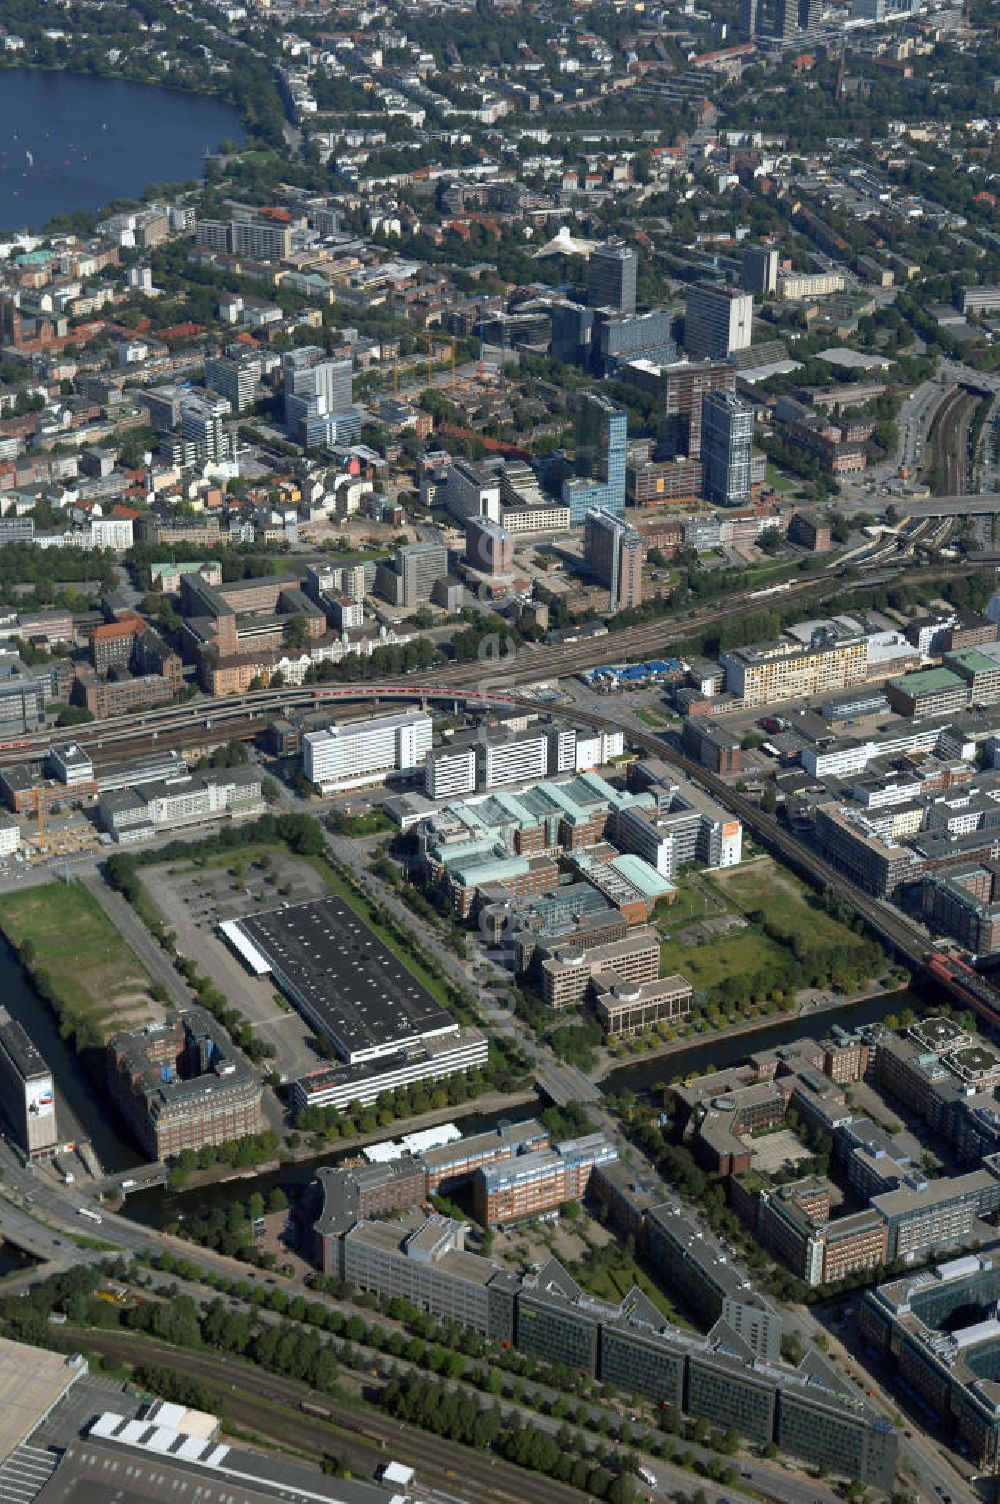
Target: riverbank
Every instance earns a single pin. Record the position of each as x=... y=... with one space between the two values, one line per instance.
x=490 y=1102
x=696 y=1057
x=158 y=1206
x=749 y=1026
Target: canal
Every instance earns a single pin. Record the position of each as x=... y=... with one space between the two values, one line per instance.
x=696 y=1059
x=82 y=1104
x=80 y=1109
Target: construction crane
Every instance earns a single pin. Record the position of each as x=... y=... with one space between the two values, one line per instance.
x=433 y=342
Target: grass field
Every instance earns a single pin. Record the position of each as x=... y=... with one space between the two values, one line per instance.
x=785 y=901
x=94 y=976
x=655 y=717
x=720 y=958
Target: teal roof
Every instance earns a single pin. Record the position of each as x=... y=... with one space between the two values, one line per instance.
x=643 y=876
x=930 y=681
x=475 y=874
x=974 y=661
x=158 y=569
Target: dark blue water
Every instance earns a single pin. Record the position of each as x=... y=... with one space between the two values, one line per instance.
x=70 y=142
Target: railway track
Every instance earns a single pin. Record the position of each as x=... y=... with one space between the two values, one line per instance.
x=947 y=466
x=271 y=1407
x=230 y=715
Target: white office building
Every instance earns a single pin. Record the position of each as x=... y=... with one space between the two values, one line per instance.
x=518 y=759
x=717 y=320
x=450 y=773
x=596 y=748
x=364 y=752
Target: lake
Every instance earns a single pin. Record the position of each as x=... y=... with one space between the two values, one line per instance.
x=69 y=141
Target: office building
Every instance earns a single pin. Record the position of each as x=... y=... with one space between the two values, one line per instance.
x=621 y=337
x=354 y=1193
x=572 y=334
x=926 y=1216
x=694 y=1263
x=780 y=24
x=613 y=552
x=686 y=825
x=680 y=386
x=24 y=693
x=538 y=1182
x=815 y=1249
x=434 y=1058
x=450 y=772
x=317 y=396
x=851 y=841
x=566 y=976
x=964 y=902
x=512 y=757
x=712 y=746
x=601 y=448
x=427 y=1265
x=717 y=320
x=138 y=813
x=626 y=1009
x=759 y=272
x=182 y=1085
x=234 y=377
x=726 y=448
x=355 y=753
x=938 y=1332
x=611 y=277
x=410 y=578
x=929 y=692
x=489 y=547
x=734 y=1376
x=27 y=1092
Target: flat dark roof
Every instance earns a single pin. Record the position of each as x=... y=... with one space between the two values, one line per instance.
x=341 y=970
x=14 y=1041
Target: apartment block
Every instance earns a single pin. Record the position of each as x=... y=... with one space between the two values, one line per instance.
x=769 y=673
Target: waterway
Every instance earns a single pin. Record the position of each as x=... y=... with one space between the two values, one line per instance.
x=696 y=1059
x=71 y=141
x=78 y=1104
x=14 y=1260
x=159 y=1207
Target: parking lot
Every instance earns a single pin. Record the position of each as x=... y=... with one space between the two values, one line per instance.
x=193 y=900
